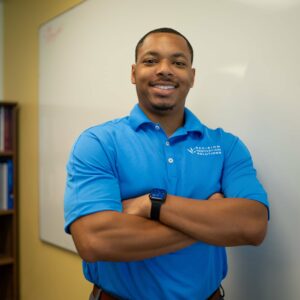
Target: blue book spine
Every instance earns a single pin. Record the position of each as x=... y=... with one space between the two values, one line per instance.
x=10 y=185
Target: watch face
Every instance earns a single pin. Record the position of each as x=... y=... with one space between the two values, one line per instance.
x=158 y=194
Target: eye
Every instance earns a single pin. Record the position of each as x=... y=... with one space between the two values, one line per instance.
x=150 y=61
x=180 y=64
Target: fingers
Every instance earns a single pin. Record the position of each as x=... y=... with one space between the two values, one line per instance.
x=216 y=196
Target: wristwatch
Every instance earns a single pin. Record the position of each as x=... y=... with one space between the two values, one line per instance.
x=157 y=197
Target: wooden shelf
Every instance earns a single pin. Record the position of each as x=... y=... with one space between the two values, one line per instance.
x=6 y=260
x=9 y=265
x=6 y=153
x=8 y=103
x=5 y=212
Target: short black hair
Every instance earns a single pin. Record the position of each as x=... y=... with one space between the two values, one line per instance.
x=166 y=30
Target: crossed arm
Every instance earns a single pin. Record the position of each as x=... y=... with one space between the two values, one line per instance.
x=130 y=235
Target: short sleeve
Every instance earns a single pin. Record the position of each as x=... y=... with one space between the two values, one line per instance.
x=239 y=178
x=91 y=184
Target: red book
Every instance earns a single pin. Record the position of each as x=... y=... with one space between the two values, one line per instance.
x=7 y=129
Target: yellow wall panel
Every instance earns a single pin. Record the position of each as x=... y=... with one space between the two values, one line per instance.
x=46 y=272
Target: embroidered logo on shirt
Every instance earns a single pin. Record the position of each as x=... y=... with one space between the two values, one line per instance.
x=206 y=151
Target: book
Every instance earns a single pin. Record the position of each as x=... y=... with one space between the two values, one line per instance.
x=6 y=185
x=3 y=185
x=1 y=128
x=10 y=184
x=1 y=189
x=7 y=129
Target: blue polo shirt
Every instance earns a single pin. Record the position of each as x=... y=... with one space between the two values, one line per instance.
x=127 y=157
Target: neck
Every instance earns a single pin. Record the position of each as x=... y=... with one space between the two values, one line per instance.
x=169 y=121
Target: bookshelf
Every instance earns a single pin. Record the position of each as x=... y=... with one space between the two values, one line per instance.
x=8 y=201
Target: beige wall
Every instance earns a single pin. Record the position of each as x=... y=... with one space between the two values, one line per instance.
x=46 y=272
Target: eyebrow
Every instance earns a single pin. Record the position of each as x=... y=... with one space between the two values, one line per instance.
x=176 y=54
x=179 y=54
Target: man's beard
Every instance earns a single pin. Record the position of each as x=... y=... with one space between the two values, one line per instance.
x=162 y=107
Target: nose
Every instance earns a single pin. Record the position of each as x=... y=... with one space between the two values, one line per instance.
x=164 y=68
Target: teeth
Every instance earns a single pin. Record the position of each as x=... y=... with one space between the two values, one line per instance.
x=165 y=87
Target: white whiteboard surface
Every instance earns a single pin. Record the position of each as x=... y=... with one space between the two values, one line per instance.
x=247 y=81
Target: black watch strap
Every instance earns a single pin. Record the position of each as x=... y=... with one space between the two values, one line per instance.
x=157 y=197
x=155 y=210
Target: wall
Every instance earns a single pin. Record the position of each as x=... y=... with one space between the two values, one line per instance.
x=268 y=108
x=46 y=272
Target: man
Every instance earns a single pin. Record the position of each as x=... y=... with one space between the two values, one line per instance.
x=152 y=199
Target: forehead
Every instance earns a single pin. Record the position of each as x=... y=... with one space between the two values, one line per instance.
x=164 y=43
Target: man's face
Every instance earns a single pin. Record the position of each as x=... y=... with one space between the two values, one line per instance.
x=163 y=73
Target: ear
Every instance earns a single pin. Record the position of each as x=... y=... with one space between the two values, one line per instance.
x=133 y=73
x=193 y=77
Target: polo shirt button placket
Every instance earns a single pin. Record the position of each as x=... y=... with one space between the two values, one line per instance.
x=170 y=160
x=171 y=167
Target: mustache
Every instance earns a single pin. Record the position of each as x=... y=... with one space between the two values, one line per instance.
x=164 y=81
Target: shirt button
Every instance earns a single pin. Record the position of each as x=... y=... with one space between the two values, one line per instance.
x=170 y=160
x=167 y=143
x=157 y=127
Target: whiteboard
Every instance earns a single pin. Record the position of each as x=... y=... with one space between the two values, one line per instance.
x=247 y=81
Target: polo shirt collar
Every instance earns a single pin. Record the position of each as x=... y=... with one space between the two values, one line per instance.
x=137 y=118
x=192 y=124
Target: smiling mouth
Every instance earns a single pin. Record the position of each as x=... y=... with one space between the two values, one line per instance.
x=164 y=87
